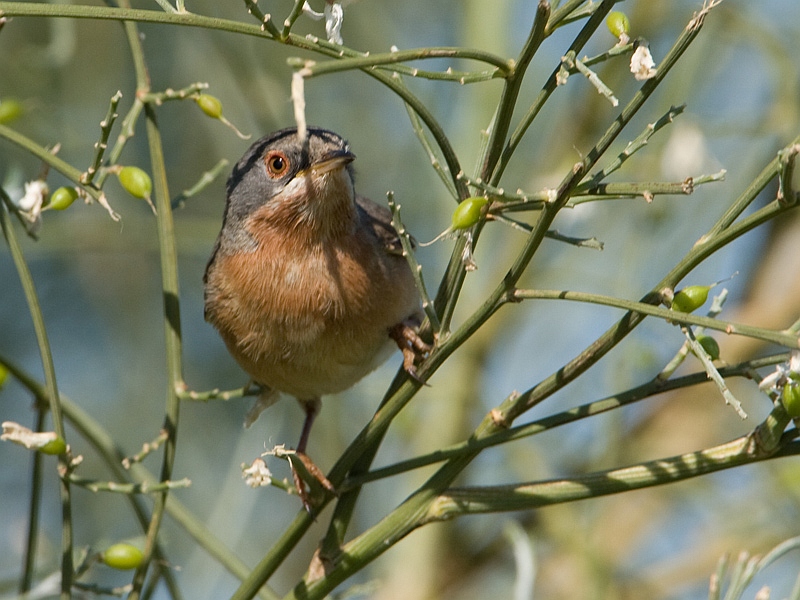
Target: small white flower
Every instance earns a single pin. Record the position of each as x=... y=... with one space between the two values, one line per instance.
x=32 y=201
x=334 y=17
x=257 y=474
x=310 y=12
x=642 y=64
x=777 y=379
x=333 y=13
x=32 y=440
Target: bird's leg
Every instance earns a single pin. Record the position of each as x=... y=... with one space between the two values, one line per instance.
x=411 y=345
x=311 y=408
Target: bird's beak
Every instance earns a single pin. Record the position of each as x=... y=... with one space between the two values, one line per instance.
x=331 y=162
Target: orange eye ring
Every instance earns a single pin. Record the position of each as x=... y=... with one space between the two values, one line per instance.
x=277 y=164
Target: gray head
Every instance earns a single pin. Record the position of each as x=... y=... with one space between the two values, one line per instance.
x=284 y=182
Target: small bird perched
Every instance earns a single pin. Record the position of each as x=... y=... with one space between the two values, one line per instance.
x=307 y=284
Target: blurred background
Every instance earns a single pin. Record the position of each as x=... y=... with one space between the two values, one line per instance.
x=99 y=284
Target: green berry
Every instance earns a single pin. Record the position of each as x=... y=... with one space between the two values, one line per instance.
x=210 y=105
x=3 y=375
x=690 y=298
x=468 y=212
x=122 y=556
x=790 y=397
x=710 y=345
x=62 y=198
x=136 y=182
x=54 y=447
x=10 y=110
x=618 y=23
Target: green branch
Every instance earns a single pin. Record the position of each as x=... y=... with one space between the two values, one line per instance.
x=503 y=66
x=457 y=502
x=788 y=340
x=46 y=354
x=647 y=390
x=113 y=456
x=508 y=99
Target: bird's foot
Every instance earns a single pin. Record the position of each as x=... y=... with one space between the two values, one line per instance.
x=412 y=346
x=309 y=480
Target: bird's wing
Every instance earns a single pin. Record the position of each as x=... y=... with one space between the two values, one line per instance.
x=379 y=220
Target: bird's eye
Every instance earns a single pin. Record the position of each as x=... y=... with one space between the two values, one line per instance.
x=277 y=164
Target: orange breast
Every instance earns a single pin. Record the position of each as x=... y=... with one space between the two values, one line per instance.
x=309 y=319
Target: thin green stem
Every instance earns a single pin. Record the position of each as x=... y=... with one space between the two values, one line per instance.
x=751 y=192
x=788 y=340
x=102 y=144
x=297 y=10
x=713 y=374
x=113 y=456
x=265 y=19
x=644 y=189
x=416 y=269
x=94 y=485
x=43 y=154
x=274 y=557
x=496 y=173
x=442 y=171
x=170 y=291
x=564 y=191
x=206 y=179
x=34 y=509
x=193 y=20
x=570 y=61
x=786 y=158
x=172 y=332
x=459 y=77
x=566 y=374
x=395 y=83
x=54 y=162
x=36 y=9
x=45 y=352
x=636 y=394
x=633 y=146
x=400 y=56
x=508 y=98
x=561 y=13
x=217 y=394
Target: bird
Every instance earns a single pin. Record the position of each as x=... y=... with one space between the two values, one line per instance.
x=307 y=284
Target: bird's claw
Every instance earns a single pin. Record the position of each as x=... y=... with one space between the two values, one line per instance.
x=412 y=346
x=303 y=482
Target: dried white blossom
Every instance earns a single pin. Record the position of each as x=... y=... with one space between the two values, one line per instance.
x=775 y=381
x=334 y=17
x=333 y=13
x=299 y=104
x=33 y=200
x=642 y=64
x=310 y=12
x=257 y=474
x=32 y=440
